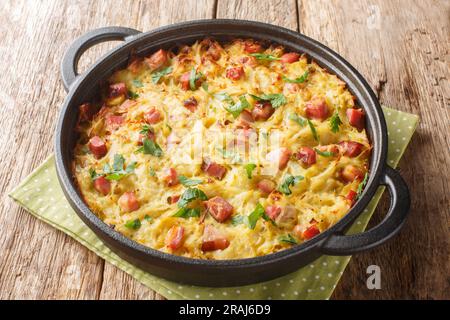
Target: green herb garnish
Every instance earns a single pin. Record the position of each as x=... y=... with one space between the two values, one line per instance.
x=300 y=79
x=249 y=169
x=156 y=76
x=335 y=122
x=133 y=95
x=237 y=219
x=313 y=130
x=194 y=76
x=234 y=157
x=253 y=217
x=288 y=239
x=148 y=218
x=188 y=182
x=324 y=153
x=362 y=185
x=137 y=83
x=133 y=224
x=276 y=99
x=189 y=195
x=187 y=213
x=264 y=57
x=223 y=96
x=146 y=129
x=287 y=182
x=296 y=118
x=94 y=175
x=150 y=147
x=118 y=172
x=238 y=107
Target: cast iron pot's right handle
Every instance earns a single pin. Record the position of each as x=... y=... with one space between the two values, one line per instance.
x=80 y=45
x=339 y=244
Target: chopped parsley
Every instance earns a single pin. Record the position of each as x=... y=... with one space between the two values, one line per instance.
x=223 y=96
x=234 y=157
x=264 y=57
x=137 y=83
x=194 y=76
x=249 y=169
x=133 y=224
x=187 y=213
x=276 y=99
x=133 y=95
x=94 y=175
x=150 y=147
x=237 y=219
x=148 y=218
x=313 y=130
x=287 y=182
x=152 y=172
x=117 y=171
x=156 y=76
x=299 y=120
x=190 y=195
x=236 y=108
x=300 y=79
x=146 y=129
x=288 y=239
x=324 y=153
x=188 y=182
x=253 y=217
x=335 y=122
x=362 y=185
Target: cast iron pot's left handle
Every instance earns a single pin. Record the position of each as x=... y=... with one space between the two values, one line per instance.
x=79 y=46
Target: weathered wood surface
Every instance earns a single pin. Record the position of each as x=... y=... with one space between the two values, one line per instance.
x=401 y=47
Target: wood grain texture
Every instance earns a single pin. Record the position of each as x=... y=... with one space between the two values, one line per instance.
x=401 y=47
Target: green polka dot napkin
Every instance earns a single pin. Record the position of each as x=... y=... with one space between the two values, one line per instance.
x=42 y=196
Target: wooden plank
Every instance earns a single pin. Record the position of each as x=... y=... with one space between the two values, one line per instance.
x=279 y=12
x=401 y=47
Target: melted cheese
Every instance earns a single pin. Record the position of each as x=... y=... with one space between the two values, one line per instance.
x=320 y=196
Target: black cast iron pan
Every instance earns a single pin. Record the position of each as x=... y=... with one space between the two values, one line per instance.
x=83 y=87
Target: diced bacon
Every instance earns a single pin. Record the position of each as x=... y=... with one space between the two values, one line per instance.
x=214 y=51
x=173 y=199
x=157 y=60
x=333 y=148
x=351 y=148
x=317 y=109
x=290 y=57
x=219 y=208
x=102 y=185
x=351 y=173
x=97 y=147
x=280 y=156
x=245 y=119
x=128 y=202
x=171 y=177
x=191 y=104
x=184 y=80
x=266 y=186
x=262 y=111
x=290 y=88
x=123 y=108
x=287 y=217
x=174 y=237
x=114 y=122
x=213 y=239
x=356 y=118
x=273 y=211
x=306 y=155
x=135 y=65
x=251 y=46
x=152 y=116
x=213 y=169
x=249 y=61
x=351 y=196
x=117 y=89
x=310 y=232
x=87 y=111
x=235 y=73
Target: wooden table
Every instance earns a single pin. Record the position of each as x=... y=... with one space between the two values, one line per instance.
x=401 y=47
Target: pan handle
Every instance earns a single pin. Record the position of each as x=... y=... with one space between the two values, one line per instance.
x=339 y=244
x=70 y=61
